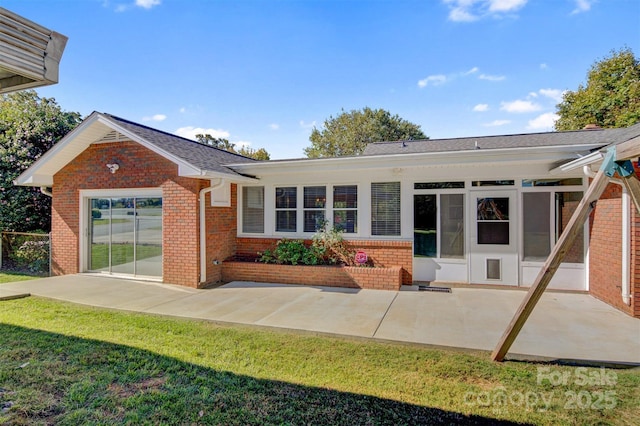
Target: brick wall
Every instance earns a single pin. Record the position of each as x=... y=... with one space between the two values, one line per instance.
x=139 y=168
x=221 y=231
x=605 y=252
x=330 y=276
x=381 y=253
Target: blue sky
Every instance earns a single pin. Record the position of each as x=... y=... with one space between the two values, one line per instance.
x=264 y=73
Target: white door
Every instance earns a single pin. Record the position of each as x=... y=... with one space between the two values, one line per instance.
x=493 y=237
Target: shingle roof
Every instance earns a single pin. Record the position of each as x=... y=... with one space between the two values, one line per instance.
x=600 y=137
x=201 y=156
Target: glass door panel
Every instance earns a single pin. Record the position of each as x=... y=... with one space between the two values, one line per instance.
x=148 y=252
x=122 y=235
x=99 y=234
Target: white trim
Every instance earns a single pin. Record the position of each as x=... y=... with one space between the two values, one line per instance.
x=83 y=215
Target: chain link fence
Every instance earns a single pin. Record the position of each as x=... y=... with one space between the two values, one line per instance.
x=25 y=252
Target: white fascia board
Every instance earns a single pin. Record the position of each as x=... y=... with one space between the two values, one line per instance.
x=431 y=159
x=587 y=160
x=41 y=172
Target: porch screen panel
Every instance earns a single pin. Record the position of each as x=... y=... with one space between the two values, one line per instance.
x=536 y=217
x=286 y=204
x=493 y=220
x=385 y=208
x=253 y=209
x=425 y=222
x=452 y=226
x=565 y=204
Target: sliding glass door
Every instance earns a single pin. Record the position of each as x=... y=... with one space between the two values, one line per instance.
x=125 y=236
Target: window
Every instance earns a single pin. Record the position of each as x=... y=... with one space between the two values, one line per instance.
x=438 y=185
x=253 y=209
x=286 y=203
x=492 y=183
x=315 y=200
x=385 y=208
x=552 y=182
x=545 y=216
x=447 y=233
x=345 y=208
x=493 y=220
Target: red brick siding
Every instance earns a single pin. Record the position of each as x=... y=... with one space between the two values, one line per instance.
x=605 y=252
x=221 y=231
x=139 y=168
x=331 y=276
x=382 y=253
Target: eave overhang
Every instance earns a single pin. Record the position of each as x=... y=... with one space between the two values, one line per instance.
x=524 y=155
x=91 y=130
x=29 y=53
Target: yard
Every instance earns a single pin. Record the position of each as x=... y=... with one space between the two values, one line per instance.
x=69 y=364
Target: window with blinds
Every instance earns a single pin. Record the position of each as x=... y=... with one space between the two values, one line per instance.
x=286 y=203
x=345 y=208
x=385 y=208
x=253 y=209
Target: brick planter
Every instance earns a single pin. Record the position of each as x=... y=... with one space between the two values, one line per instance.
x=331 y=276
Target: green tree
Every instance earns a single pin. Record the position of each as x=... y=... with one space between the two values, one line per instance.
x=224 y=144
x=611 y=97
x=350 y=132
x=29 y=126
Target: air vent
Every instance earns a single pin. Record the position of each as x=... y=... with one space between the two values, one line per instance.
x=112 y=136
x=494 y=269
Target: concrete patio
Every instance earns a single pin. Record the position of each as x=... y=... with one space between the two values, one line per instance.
x=566 y=326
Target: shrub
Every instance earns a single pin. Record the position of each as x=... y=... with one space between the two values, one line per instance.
x=329 y=241
x=293 y=252
x=34 y=255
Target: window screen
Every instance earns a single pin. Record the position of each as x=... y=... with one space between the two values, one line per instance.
x=385 y=208
x=345 y=208
x=253 y=209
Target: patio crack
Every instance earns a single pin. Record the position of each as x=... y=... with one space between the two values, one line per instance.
x=384 y=315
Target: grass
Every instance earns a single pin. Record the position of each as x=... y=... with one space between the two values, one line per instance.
x=120 y=254
x=68 y=364
x=8 y=277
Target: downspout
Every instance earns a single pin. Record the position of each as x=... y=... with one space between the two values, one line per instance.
x=48 y=193
x=45 y=191
x=626 y=236
x=203 y=225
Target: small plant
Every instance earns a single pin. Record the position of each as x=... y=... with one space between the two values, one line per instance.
x=96 y=213
x=293 y=252
x=329 y=240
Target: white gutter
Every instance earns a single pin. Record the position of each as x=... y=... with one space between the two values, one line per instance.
x=45 y=191
x=203 y=224
x=626 y=236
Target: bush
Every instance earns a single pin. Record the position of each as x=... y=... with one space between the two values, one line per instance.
x=96 y=213
x=33 y=255
x=293 y=252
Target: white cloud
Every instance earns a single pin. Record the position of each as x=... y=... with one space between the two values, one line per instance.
x=481 y=108
x=473 y=10
x=156 y=117
x=307 y=125
x=190 y=132
x=274 y=126
x=544 y=66
x=242 y=144
x=554 y=94
x=519 y=106
x=434 y=80
x=506 y=5
x=491 y=77
x=496 y=123
x=544 y=121
x=471 y=71
x=533 y=95
x=582 y=6
x=147 y=4
x=183 y=110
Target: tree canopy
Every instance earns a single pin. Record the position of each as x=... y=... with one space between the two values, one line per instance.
x=611 y=97
x=29 y=126
x=222 y=143
x=350 y=132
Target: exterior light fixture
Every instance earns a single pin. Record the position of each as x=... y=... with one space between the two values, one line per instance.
x=113 y=167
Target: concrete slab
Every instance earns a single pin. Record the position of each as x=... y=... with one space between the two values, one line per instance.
x=563 y=325
x=7 y=294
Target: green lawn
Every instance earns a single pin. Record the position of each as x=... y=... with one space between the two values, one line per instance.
x=69 y=364
x=11 y=277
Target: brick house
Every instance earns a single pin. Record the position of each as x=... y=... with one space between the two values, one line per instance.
x=132 y=201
